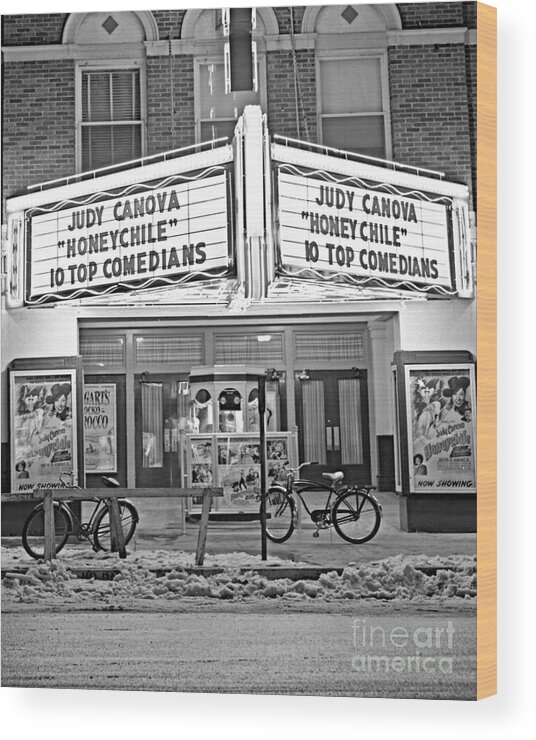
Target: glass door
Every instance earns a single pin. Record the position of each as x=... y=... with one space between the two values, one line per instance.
x=332 y=413
x=158 y=413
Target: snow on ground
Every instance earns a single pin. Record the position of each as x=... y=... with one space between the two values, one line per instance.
x=396 y=578
x=76 y=557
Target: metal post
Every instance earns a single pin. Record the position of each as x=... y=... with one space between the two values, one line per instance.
x=262 y=410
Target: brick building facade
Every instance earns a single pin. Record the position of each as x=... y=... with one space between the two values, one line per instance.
x=426 y=129
x=393 y=84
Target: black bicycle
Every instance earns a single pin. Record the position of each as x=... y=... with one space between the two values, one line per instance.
x=352 y=510
x=67 y=524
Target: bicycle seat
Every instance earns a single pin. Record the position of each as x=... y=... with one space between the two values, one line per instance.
x=334 y=477
x=110 y=482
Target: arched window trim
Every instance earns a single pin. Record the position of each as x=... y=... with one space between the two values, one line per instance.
x=389 y=12
x=75 y=20
x=192 y=16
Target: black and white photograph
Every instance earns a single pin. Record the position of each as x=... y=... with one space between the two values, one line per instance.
x=239 y=262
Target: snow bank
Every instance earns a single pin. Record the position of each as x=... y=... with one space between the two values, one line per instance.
x=395 y=578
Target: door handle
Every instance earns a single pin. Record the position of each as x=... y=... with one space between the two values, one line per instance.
x=336 y=438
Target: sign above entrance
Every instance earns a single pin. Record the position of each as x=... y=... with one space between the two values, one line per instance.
x=142 y=236
x=332 y=228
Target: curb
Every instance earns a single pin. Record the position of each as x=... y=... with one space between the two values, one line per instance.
x=311 y=573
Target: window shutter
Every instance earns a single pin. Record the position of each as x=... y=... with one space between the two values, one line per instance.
x=113 y=98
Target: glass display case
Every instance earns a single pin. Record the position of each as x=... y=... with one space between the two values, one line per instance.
x=233 y=461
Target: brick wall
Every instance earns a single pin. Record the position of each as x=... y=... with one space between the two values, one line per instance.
x=283 y=18
x=470 y=62
x=169 y=23
x=469 y=15
x=159 y=121
x=429 y=108
x=281 y=93
x=38 y=123
x=32 y=29
x=431 y=15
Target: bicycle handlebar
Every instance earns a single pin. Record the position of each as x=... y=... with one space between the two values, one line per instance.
x=303 y=464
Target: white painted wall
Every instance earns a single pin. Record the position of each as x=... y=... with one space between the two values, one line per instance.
x=418 y=326
x=435 y=325
x=39 y=332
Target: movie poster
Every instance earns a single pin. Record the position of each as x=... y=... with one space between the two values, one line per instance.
x=441 y=428
x=100 y=445
x=239 y=470
x=43 y=419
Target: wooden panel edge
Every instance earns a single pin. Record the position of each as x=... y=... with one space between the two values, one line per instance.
x=487 y=350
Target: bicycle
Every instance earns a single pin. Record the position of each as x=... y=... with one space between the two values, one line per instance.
x=353 y=511
x=67 y=524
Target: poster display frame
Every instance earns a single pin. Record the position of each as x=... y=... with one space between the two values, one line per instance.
x=111 y=439
x=215 y=472
x=447 y=431
x=46 y=379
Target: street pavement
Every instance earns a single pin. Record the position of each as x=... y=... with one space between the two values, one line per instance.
x=329 y=654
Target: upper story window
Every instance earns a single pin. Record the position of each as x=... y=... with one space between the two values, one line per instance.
x=216 y=112
x=352 y=75
x=110 y=84
x=111 y=126
x=353 y=104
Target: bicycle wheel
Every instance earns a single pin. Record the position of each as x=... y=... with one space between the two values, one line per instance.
x=129 y=522
x=356 y=517
x=33 y=531
x=279 y=515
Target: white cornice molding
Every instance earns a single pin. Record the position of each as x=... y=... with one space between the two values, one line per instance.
x=428 y=36
x=416 y=37
x=54 y=52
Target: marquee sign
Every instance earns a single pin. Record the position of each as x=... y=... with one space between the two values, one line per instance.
x=142 y=236
x=331 y=228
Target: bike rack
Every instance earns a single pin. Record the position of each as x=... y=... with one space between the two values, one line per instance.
x=116 y=533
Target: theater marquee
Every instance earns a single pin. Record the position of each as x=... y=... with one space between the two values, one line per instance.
x=142 y=236
x=383 y=236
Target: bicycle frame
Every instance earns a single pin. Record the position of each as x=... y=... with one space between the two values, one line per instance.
x=299 y=486
x=84 y=530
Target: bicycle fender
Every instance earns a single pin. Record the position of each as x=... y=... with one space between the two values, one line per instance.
x=277 y=487
x=57 y=505
x=128 y=501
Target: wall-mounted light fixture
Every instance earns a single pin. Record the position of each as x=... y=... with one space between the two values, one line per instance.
x=272 y=375
x=357 y=372
x=304 y=375
x=144 y=378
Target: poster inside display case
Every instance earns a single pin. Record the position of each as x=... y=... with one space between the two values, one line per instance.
x=233 y=461
x=99 y=410
x=43 y=428
x=441 y=428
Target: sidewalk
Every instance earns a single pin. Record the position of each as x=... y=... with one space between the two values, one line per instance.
x=159 y=531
